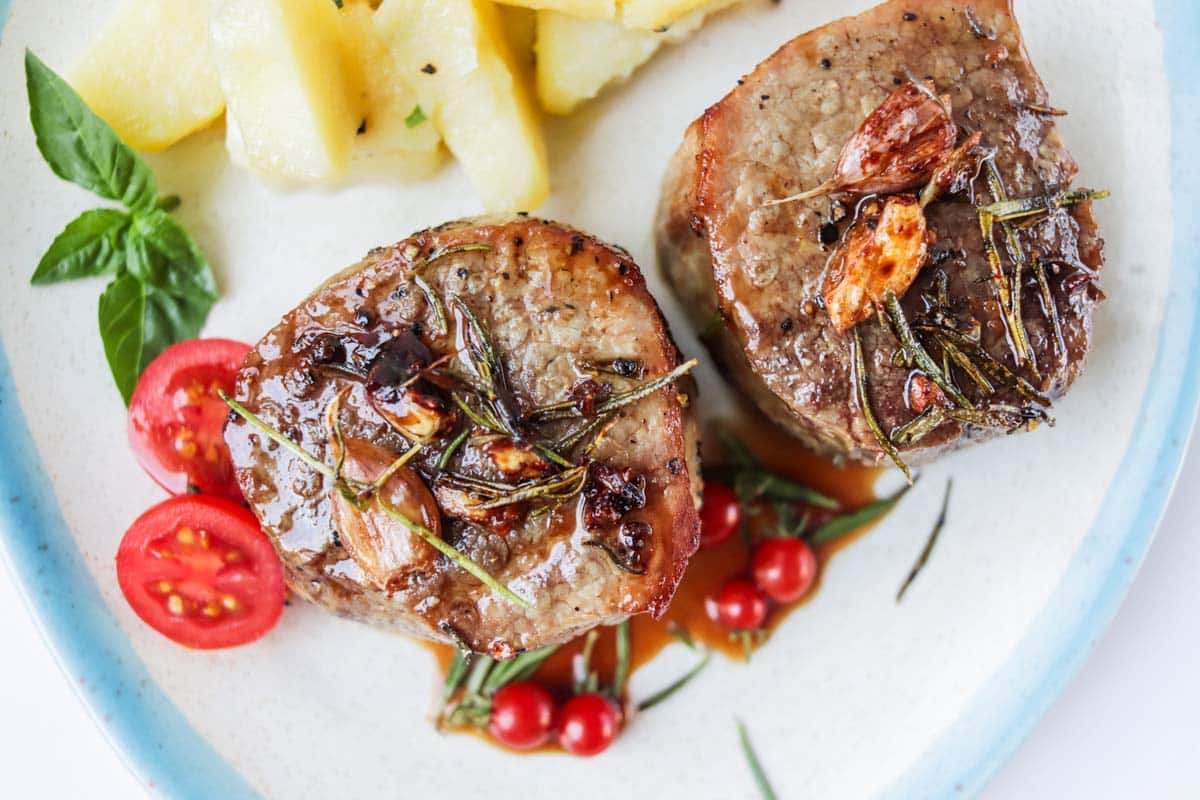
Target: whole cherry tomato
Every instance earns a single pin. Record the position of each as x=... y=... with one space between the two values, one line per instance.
x=522 y=715
x=739 y=606
x=589 y=724
x=719 y=514
x=784 y=569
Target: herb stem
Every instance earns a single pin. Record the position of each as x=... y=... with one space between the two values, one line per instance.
x=848 y=523
x=927 y=550
x=447 y=550
x=915 y=352
x=864 y=403
x=677 y=684
x=756 y=768
x=455 y=443
x=276 y=436
x=621 y=671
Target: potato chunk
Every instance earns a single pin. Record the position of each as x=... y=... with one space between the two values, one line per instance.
x=585 y=9
x=394 y=124
x=657 y=15
x=468 y=82
x=577 y=58
x=292 y=106
x=149 y=72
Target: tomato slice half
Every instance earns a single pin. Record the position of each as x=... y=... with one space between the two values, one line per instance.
x=200 y=571
x=176 y=417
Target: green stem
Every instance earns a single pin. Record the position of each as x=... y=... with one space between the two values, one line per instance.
x=276 y=436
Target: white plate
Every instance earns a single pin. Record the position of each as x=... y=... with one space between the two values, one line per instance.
x=856 y=696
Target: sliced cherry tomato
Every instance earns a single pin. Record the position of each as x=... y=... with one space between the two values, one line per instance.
x=522 y=715
x=200 y=571
x=784 y=569
x=739 y=606
x=176 y=418
x=719 y=513
x=589 y=724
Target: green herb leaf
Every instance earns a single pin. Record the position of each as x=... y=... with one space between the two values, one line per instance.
x=516 y=669
x=79 y=146
x=756 y=769
x=927 y=550
x=752 y=484
x=139 y=321
x=848 y=523
x=677 y=684
x=415 y=118
x=159 y=252
x=89 y=246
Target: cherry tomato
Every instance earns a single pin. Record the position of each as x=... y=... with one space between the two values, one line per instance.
x=784 y=569
x=739 y=606
x=522 y=715
x=719 y=514
x=176 y=418
x=589 y=724
x=200 y=571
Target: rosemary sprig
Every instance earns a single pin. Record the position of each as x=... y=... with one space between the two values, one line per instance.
x=1020 y=266
x=445 y=549
x=1015 y=328
x=983 y=359
x=615 y=557
x=481 y=358
x=927 y=550
x=516 y=669
x=586 y=680
x=554 y=489
x=454 y=249
x=459 y=666
x=756 y=768
x=1001 y=417
x=392 y=469
x=435 y=303
x=915 y=353
x=684 y=679
x=1049 y=308
x=1006 y=210
x=864 y=403
x=276 y=436
x=569 y=410
x=452 y=448
x=848 y=523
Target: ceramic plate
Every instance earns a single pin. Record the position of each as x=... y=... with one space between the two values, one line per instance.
x=856 y=696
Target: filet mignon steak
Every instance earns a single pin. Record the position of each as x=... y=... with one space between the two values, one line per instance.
x=526 y=360
x=752 y=272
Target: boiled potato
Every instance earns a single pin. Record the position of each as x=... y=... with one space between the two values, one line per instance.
x=657 y=15
x=394 y=123
x=467 y=79
x=149 y=73
x=293 y=108
x=586 y=9
x=520 y=28
x=576 y=58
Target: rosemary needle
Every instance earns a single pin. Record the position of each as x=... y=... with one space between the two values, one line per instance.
x=756 y=769
x=276 y=436
x=927 y=550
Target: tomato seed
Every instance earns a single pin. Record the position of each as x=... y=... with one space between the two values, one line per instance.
x=175 y=604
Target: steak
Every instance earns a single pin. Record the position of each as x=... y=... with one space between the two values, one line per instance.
x=535 y=378
x=737 y=257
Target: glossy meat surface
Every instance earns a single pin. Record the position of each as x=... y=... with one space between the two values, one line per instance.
x=761 y=267
x=556 y=303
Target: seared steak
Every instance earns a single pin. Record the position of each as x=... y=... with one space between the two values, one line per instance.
x=762 y=267
x=507 y=350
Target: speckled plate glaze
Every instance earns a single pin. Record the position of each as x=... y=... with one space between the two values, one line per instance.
x=856 y=696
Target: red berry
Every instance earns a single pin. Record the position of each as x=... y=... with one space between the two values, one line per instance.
x=739 y=606
x=719 y=514
x=784 y=569
x=522 y=715
x=590 y=723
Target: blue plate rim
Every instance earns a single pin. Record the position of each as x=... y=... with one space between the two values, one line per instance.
x=171 y=759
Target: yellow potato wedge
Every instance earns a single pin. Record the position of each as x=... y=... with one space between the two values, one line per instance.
x=656 y=15
x=577 y=58
x=585 y=9
x=393 y=120
x=149 y=73
x=292 y=106
x=468 y=80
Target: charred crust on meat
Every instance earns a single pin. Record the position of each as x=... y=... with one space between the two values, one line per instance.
x=610 y=494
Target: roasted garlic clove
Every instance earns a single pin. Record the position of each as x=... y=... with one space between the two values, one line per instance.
x=387 y=552
x=957 y=170
x=884 y=249
x=461 y=504
x=516 y=459
x=896 y=148
x=409 y=402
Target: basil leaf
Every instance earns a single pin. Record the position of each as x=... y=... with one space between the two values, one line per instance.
x=158 y=251
x=90 y=245
x=139 y=321
x=79 y=146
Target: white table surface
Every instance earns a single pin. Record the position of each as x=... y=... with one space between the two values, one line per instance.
x=1126 y=727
